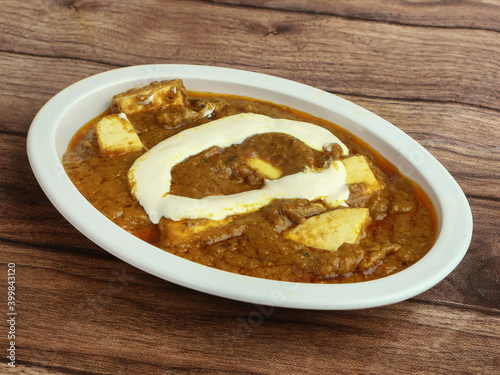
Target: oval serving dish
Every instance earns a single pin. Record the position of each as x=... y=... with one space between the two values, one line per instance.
x=57 y=122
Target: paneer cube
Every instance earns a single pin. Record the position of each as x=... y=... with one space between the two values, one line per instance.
x=151 y=97
x=264 y=168
x=116 y=136
x=358 y=171
x=329 y=230
x=190 y=230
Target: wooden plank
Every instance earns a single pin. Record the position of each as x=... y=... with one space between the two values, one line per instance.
x=26 y=215
x=336 y=54
x=475 y=280
x=164 y=327
x=457 y=14
x=21 y=99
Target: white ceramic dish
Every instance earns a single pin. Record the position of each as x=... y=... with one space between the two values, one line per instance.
x=64 y=114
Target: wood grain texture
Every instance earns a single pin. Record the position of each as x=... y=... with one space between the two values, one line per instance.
x=149 y=324
x=430 y=68
x=484 y=15
x=335 y=54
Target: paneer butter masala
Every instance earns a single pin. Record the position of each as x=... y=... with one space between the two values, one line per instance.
x=249 y=186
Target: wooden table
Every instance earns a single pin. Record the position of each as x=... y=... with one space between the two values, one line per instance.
x=430 y=68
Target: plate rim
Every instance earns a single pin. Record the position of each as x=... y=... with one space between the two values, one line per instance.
x=403 y=285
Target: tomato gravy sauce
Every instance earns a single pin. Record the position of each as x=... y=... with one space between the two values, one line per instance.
x=401 y=230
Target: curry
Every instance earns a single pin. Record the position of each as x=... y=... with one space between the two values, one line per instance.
x=273 y=203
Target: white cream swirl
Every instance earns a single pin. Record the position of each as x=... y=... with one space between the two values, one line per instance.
x=150 y=175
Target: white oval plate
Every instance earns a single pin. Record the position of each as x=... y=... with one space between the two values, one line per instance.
x=66 y=112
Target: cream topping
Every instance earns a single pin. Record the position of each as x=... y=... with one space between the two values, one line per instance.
x=148 y=100
x=123 y=116
x=150 y=175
